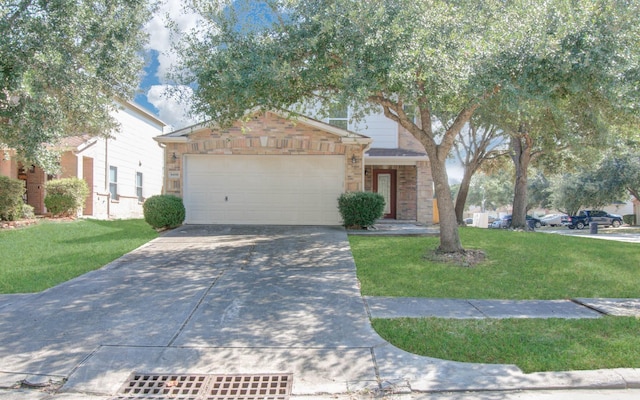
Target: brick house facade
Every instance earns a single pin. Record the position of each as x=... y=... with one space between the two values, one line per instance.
x=297 y=150
x=206 y=165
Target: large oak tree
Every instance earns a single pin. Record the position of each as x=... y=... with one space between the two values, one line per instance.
x=63 y=63
x=583 y=92
x=445 y=58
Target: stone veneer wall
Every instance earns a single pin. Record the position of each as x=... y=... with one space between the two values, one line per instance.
x=266 y=134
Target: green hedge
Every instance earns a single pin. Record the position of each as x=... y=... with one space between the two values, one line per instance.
x=65 y=196
x=629 y=219
x=360 y=209
x=11 y=191
x=164 y=211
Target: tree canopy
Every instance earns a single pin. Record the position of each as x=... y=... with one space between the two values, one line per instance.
x=582 y=91
x=445 y=58
x=62 y=65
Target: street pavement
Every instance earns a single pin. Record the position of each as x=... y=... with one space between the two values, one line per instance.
x=203 y=300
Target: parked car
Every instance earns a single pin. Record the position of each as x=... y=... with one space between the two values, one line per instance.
x=554 y=219
x=506 y=221
x=600 y=217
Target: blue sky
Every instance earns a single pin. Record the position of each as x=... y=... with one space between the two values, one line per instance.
x=161 y=56
x=160 y=60
x=150 y=78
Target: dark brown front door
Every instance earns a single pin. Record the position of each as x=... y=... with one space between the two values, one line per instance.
x=384 y=182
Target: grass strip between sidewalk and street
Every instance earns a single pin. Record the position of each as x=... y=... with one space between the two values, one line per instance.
x=519 y=266
x=534 y=345
x=43 y=255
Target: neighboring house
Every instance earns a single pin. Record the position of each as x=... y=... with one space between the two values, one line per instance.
x=290 y=171
x=120 y=171
x=620 y=208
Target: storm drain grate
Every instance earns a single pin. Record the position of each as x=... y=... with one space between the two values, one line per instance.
x=206 y=387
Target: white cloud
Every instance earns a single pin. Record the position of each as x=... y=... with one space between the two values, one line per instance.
x=170 y=110
x=160 y=37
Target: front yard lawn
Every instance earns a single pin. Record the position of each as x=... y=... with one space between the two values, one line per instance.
x=520 y=266
x=531 y=344
x=40 y=256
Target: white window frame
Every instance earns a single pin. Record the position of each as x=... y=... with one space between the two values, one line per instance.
x=339 y=117
x=139 y=186
x=113 y=182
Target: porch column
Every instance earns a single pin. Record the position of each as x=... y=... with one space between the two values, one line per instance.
x=424 y=187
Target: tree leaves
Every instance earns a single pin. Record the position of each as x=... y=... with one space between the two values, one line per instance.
x=63 y=65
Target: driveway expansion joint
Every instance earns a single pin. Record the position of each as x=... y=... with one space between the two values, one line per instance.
x=193 y=311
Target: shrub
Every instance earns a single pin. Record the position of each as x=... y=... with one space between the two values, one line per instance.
x=164 y=211
x=65 y=196
x=360 y=209
x=11 y=191
x=629 y=219
x=27 y=211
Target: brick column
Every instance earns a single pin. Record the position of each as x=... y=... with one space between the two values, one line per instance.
x=425 y=193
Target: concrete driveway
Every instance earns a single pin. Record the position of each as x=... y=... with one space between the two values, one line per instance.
x=199 y=299
x=230 y=300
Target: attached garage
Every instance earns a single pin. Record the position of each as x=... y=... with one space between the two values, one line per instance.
x=269 y=170
x=263 y=189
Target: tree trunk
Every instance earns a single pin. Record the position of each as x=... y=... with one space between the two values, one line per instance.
x=521 y=156
x=449 y=237
x=461 y=198
x=437 y=153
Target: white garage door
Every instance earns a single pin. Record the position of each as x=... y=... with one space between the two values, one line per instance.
x=272 y=190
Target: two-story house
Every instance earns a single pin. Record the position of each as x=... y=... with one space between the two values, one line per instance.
x=290 y=169
x=120 y=171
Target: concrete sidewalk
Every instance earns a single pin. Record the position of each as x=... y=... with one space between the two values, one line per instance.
x=232 y=300
x=398 y=307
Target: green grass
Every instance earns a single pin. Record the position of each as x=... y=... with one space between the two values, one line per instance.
x=40 y=256
x=531 y=344
x=520 y=265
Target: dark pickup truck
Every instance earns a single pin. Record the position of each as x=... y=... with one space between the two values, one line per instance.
x=603 y=218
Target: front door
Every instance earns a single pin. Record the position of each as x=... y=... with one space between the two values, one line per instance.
x=384 y=182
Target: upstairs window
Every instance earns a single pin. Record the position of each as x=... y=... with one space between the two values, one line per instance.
x=139 y=186
x=113 y=182
x=339 y=116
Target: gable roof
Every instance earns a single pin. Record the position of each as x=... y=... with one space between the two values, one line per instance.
x=182 y=135
x=143 y=112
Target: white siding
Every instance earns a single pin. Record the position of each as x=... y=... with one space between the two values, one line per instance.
x=381 y=129
x=131 y=150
